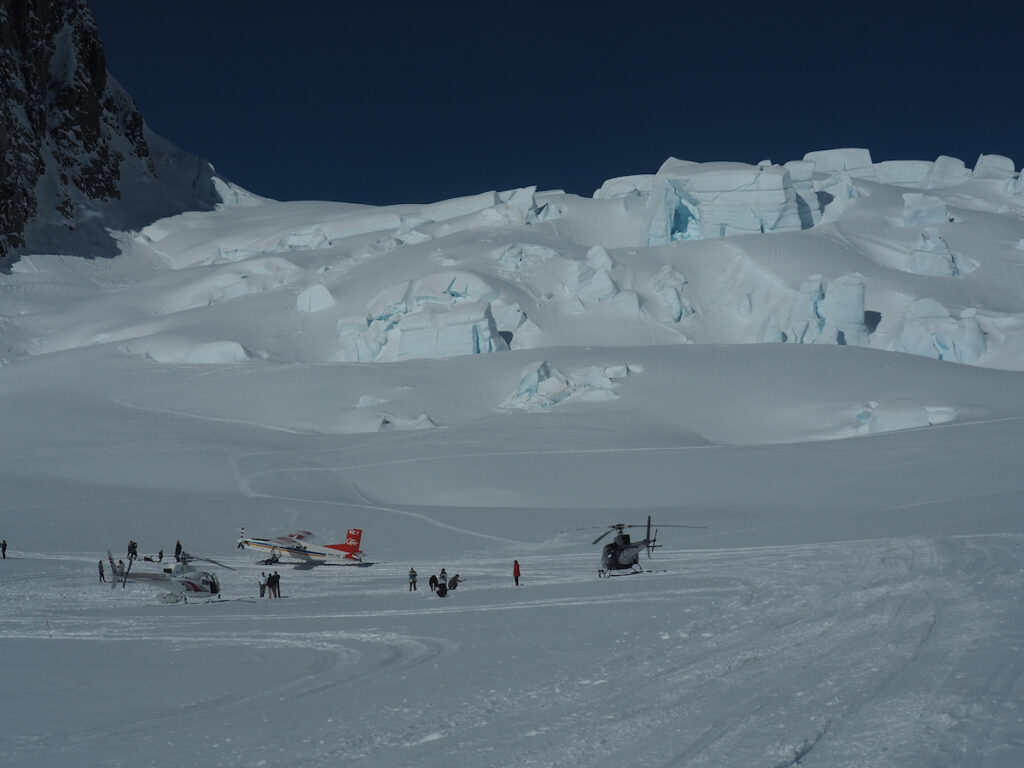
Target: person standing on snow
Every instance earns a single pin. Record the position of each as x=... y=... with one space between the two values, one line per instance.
x=263 y=584
x=3 y=548
x=177 y=552
x=443 y=578
x=103 y=577
x=515 y=571
x=433 y=582
x=412 y=579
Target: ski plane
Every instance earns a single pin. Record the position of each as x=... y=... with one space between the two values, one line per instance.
x=298 y=547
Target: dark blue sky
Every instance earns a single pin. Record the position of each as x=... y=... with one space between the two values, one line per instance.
x=414 y=102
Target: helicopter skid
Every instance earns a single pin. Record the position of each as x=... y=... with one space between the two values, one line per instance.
x=605 y=574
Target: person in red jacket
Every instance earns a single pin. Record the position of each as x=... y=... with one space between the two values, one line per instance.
x=515 y=571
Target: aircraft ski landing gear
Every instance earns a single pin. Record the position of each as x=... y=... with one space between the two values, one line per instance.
x=606 y=574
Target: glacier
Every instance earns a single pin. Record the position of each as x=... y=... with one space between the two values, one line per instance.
x=817 y=362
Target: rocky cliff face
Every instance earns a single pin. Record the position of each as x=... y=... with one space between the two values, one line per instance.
x=76 y=156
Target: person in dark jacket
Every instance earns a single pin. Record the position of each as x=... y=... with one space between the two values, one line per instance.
x=442 y=589
x=433 y=582
x=103 y=577
x=3 y=548
x=515 y=571
x=412 y=579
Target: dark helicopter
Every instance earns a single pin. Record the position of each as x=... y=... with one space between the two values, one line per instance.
x=622 y=554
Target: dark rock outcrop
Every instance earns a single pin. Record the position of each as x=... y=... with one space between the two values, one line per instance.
x=76 y=156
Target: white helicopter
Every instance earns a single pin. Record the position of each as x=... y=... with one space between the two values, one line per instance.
x=298 y=547
x=180 y=580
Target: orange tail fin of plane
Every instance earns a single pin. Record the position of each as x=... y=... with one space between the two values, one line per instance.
x=352 y=543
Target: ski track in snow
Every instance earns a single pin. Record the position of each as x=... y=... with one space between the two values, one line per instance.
x=701 y=661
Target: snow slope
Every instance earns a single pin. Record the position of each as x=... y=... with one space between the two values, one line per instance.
x=498 y=377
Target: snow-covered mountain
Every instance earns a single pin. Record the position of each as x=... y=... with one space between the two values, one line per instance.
x=76 y=157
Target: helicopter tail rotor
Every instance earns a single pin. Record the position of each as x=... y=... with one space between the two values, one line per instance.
x=652 y=543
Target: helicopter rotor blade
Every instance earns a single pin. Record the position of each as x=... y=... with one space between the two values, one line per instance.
x=185 y=555
x=602 y=535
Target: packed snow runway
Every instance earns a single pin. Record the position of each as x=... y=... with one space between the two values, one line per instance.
x=880 y=652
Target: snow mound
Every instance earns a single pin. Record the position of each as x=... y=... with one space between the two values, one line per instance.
x=231 y=282
x=903 y=413
x=314 y=299
x=542 y=386
x=170 y=349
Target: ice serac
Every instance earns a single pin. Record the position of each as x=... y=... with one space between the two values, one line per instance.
x=542 y=386
x=694 y=201
x=314 y=299
x=854 y=161
x=625 y=186
x=801 y=172
x=931 y=256
x=591 y=280
x=946 y=171
x=438 y=331
x=825 y=313
x=993 y=167
x=443 y=315
x=929 y=330
x=904 y=173
x=76 y=157
x=920 y=209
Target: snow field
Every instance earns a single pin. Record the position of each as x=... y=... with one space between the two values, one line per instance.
x=819 y=361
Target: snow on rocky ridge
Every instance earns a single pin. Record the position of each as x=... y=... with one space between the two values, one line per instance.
x=76 y=156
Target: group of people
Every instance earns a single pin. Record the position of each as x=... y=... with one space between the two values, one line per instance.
x=440 y=586
x=133 y=554
x=435 y=581
x=270 y=586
